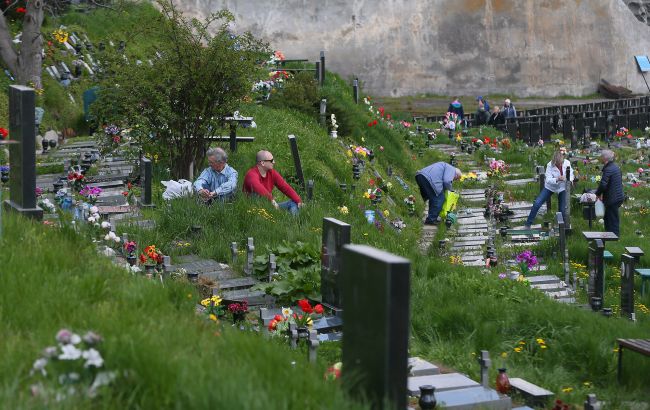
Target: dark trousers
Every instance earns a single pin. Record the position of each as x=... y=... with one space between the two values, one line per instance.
x=428 y=194
x=611 y=218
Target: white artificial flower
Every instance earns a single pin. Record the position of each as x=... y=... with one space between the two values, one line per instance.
x=91 y=219
x=287 y=312
x=107 y=237
x=70 y=352
x=117 y=239
x=94 y=210
x=93 y=358
x=75 y=339
x=106 y=225
x=39 y=366
x=49 y=352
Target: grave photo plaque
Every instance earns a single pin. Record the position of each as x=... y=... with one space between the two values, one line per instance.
x=335 y=235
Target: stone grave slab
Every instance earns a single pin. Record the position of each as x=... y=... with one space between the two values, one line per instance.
x=477 y=263
x=471 y=238
x=473 y=398
x=472 y=191
x=328 y=323
x=420 y=367
x=236 y=283
x=442 y=382
x=330 y=337
x=471 y=258
x=518 y=182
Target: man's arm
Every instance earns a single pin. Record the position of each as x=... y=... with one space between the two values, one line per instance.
x=202 y=182
x=285 y=188
x=229 y=186
x=604 y=182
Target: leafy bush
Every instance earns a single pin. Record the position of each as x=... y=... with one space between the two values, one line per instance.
x=299 y=93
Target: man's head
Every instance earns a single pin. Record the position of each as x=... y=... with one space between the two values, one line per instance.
x=264 y=160
x=506 y=102
x=496 y=109
x=458 y=174
x=606 y=156
x=217 y=159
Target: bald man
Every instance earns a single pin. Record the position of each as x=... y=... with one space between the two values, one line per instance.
x=262 y=178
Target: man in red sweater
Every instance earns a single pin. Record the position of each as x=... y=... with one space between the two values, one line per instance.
x=261 y=179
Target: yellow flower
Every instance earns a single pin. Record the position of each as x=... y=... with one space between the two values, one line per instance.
x=504 y=355
x=567 y=389
x=366 y=195
x=348 y=153
x=363 y=139
x=344 y=210
x=205 y=302
x=213 y=317
x=189 y=296
x=518 y=349
x=521 y=343
x=216 y=300
x=543 y=346
x=587 y=384
x=155 y=158
x=386 y=213
x=540 y=341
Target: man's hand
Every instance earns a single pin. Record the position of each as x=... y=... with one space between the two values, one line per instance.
x=205 y=194
x=300 y=204
x=561 y=178
x=275 y=204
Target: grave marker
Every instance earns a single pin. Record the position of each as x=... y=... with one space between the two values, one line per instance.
x=485 y=363
x=322 y=68
x=355 y=90
x=336 y=234
x=22 y=160
x=250 y=254
x=233 y=253
x=310 y=189
x=564 y=251
x=147 y=179
x=595 y=267
x=323 y=112
x=375 y=346
x=272 y=266
x=296 y=160
x=627 y=287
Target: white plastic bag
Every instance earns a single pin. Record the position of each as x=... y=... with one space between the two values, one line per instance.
x=177 y=189
x=600 y=209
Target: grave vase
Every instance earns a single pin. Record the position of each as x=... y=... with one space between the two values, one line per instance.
x=502 y=382
x=238 y=317
x=131 y=259
x=427 y=397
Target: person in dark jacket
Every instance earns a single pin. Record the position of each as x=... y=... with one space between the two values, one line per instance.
x=433 y=181
x=457 y=108
x=496 y=118
x=610 y=190
x=482 y=111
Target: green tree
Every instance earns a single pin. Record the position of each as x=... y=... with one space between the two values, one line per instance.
x=201 y=75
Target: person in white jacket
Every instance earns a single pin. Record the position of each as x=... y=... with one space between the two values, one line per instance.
x=555 y=182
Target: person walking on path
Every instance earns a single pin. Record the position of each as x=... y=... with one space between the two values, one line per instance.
x=262 y=178
x=610 y=190
x=554 y=183
x=433 y=181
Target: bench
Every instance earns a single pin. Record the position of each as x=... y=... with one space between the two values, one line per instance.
x=641 y=346
x=533 y=394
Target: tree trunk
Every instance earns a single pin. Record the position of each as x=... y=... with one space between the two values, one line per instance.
x=30 y=59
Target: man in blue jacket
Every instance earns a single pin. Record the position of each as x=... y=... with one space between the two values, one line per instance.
x=433 y=181
x=610 y=190
x=219 y=180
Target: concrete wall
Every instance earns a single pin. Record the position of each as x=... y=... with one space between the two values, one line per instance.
x=404 y=47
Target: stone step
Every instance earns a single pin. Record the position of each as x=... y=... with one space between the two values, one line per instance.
x=236 y=283
x=420 y=367
x=442 y=382
x=473 y=398
x=542 y=279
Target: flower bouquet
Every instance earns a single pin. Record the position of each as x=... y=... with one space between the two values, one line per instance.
x=410 y=204
x=213 y=307
x=129 y=250
x=238 y=311
x=71 y=368
x=91 y=194
x=76 y=180
x=526 y=261
x=498 y=168
x=113 y=132
x=280 y=323
x=150 y=258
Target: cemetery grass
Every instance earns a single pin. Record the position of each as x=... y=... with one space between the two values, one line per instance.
x=165 y=356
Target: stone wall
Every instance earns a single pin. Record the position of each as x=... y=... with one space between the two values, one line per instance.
x=404 y=47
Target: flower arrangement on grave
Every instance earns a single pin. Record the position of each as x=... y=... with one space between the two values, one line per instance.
x=4 y=133
x=526 y=260
x=113 y=132
x=60 y=35
x=470 y=176
x=73 y=367
x=76 y=180
x=334 y=372
x=151 y=256
x=238 y=310
x=540 y=143
x=359 y=151
x=410 y=204
x=46 y=205
x=451 y=121
x=90 y=194
x=407 y=124
x=213 y=307
x=343 y=210
x=505 y=143
x=374 y=195
x=498 y=168
x=623 y=133
x=384 y=185
x=372 y=123
x=477 y=142
x=130 y=248
x=334 y=125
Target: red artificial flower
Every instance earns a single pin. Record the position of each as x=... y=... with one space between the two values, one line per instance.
x=381 y=111
x=318 y=309
x=277 y=318
x=371 y=182
x=273 y=324
x=125 y=193
x=128 y=185
x=374 y=122
x=3 y=133
x=21 y=10
x=305 y=306
x=159 y=258
x=388 y=117
x=143 y=258
x=370 y=124
x=116 y=139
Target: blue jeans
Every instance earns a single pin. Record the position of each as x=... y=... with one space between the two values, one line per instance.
x=289 y=205
x=428 y=194
x=541 y=199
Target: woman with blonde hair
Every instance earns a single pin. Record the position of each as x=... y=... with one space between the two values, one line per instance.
x=555 y=183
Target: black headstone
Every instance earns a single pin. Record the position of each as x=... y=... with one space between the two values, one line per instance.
x=296 y=160
x=375 y=344
x=336 y=234
x=22 y=159
x=596 y=269
x=147 y=179
x=355 y=90
x=322 y=67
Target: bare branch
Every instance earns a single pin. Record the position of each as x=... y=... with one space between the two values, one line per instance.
x=9 y=7
x=106 y=6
